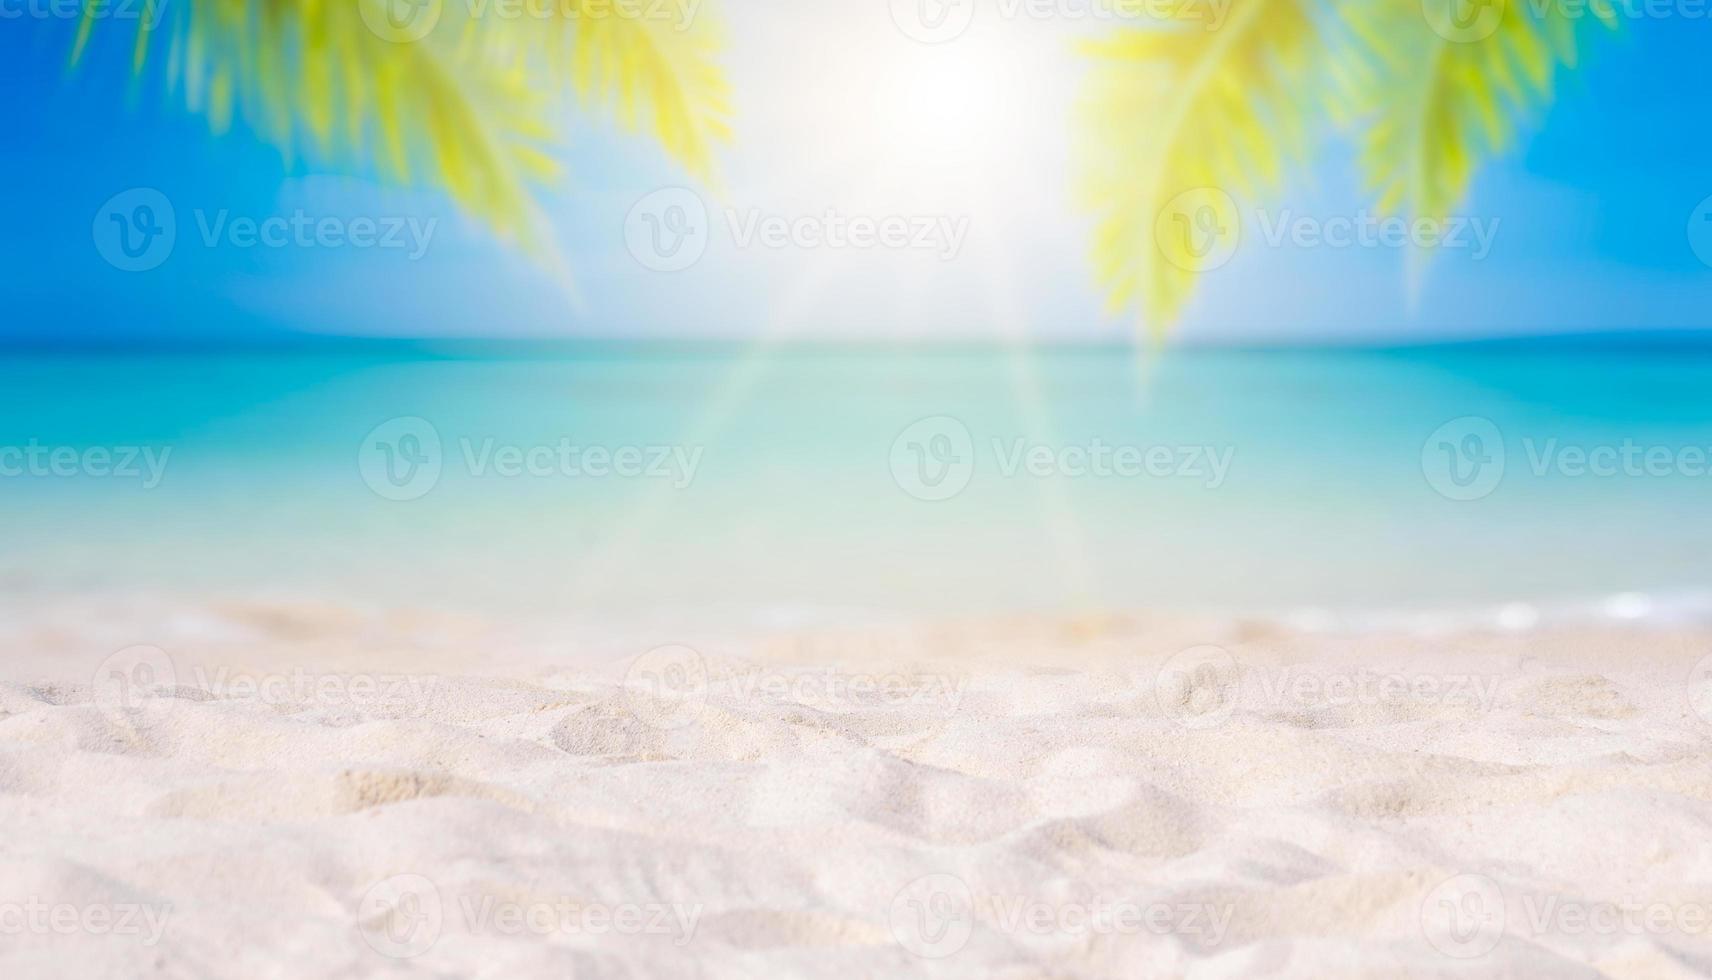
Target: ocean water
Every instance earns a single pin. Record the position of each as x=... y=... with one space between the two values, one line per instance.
x=795 y=485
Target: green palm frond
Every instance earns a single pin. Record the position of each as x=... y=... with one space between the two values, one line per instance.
x=1430 y=107
x=656 y=68
x=1179 y=110
x=471 y=109
x=660 y=75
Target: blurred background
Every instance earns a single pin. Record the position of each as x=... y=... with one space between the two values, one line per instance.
x=790 y=312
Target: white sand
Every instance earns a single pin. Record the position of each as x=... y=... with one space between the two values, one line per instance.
x=411 y=794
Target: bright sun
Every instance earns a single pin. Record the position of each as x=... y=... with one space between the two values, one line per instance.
x=853 y=105
x=947 y=106
x=846 y=113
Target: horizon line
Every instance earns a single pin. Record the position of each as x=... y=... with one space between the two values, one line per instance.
x=1689 y=339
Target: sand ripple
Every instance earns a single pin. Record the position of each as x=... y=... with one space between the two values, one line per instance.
x=1090 y=803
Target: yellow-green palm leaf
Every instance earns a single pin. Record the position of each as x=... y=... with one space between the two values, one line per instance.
x=661 y=75
x=656 y=66
x=1179 y=109
x=1431 y=106
x=471 y=108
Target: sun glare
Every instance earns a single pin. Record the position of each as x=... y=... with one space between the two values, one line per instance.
x=969 y=135
x=947 y=106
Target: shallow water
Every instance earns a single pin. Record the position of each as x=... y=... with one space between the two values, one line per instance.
x=790 y=484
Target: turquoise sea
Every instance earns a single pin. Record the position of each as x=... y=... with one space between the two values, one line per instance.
x=803 y=484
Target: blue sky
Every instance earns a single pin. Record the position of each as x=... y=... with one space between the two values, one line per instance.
x=1594 y=211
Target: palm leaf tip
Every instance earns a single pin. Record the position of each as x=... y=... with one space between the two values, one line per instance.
x=1432 y=96
x=452 y=100
x=658 y=74
x=1177 y=121
x=1174 y=110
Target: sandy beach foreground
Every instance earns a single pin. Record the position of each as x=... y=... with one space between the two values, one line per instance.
x=278 y=790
